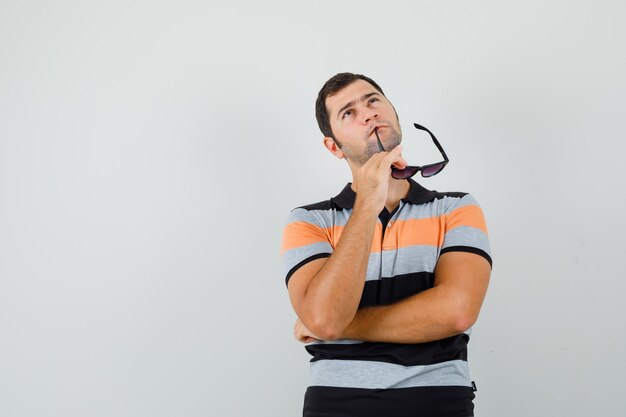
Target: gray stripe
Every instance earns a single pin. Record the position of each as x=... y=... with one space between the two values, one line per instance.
x=406 y=211
x=417 y=258
x=435 y=208
x=467 y=200
x=336 y=342
x=395 y=262
x=373 y=267
x=381 y=375
x=467 y=236
x=294 y=256
x=321 y=218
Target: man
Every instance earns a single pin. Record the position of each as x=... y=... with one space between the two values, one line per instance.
x=387 y=277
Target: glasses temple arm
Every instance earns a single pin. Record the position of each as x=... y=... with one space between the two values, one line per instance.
x=437 y=144
x=380 y=145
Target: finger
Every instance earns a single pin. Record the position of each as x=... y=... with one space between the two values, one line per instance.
x=391 y=157
x=399 y=162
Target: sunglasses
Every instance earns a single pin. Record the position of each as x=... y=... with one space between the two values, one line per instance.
x=426 y=170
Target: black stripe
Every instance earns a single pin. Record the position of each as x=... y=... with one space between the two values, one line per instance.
x=306 y=261
x=448 y=349
x=448 y=401
x=322 y=205
x=389 y=290
x=468 y=249
x=455 y=194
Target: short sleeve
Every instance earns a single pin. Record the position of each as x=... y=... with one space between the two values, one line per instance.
x=305 y=239
x=466 y=229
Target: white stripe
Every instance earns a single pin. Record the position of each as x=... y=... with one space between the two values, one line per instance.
x=382 y=375
x=336 y=342
x=467 y=236
x=294 y=256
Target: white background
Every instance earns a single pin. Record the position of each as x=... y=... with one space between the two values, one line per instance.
x=150 y=152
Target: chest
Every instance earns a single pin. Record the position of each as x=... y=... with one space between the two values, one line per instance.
x=405 y=249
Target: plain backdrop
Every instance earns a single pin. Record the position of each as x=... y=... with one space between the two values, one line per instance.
x=150 y=152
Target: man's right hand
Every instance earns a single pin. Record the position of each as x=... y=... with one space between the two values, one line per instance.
x=372 y=180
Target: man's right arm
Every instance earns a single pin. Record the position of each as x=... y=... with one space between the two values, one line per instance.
x=325 y=293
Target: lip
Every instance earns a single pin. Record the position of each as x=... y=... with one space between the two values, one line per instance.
x=376 y=127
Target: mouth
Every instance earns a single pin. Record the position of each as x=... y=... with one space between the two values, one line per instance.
x=380 y=145
x=376 y=128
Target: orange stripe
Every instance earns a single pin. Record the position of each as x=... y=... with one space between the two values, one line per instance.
x=416 y=232
x=471 y=216
x=299 y=234
x=428 y=231
x=431 y=231
x=377 y=243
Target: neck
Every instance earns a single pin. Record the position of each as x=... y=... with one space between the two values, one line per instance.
x=398 y=189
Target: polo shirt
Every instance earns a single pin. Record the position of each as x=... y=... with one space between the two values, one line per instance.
x=358 y=378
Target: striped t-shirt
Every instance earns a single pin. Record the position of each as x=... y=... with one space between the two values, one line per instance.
x=357 y=378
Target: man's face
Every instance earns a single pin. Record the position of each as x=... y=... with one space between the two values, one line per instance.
x=354 y=112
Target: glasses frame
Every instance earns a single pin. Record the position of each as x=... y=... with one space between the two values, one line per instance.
x=399 y=174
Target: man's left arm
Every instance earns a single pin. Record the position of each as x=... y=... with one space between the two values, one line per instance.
x=449 y=308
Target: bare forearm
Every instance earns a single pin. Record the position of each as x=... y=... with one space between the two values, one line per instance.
x=421 y=318
x=332 y=298
x=329 y=300
x=449 y=308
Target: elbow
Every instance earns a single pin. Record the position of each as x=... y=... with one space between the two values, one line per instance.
x=330 y=334
x=462 y=319
x=326 y=328
x=462 y=323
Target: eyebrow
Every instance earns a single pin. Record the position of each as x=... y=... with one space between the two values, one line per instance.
x=353 y=102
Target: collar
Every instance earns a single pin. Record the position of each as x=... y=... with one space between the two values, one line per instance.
x=416 y=195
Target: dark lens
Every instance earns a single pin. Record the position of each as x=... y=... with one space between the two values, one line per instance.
x=430 y=170
x=401 y=174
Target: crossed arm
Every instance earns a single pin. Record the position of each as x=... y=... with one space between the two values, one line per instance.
x=447 y=309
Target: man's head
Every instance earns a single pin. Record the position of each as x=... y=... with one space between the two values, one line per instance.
x=332 y=86
x=348 y=109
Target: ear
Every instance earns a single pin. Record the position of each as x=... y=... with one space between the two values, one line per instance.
x=332 y=147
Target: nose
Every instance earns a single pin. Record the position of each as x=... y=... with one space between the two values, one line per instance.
x=369 y=115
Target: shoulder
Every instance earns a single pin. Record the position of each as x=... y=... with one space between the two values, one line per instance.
x=438 y=203
x=320 y=213
x=321 y=205
x=450 y=194
x=452 y=200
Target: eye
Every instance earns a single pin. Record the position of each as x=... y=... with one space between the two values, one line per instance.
x=346 y=114
x=373 y=99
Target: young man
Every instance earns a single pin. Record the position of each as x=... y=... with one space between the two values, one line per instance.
x=387 y=277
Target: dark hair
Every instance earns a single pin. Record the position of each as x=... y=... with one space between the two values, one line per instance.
x=332 y=86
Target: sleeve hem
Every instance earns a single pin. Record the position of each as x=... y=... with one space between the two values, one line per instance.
x=304 y=262
x=470 y=249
